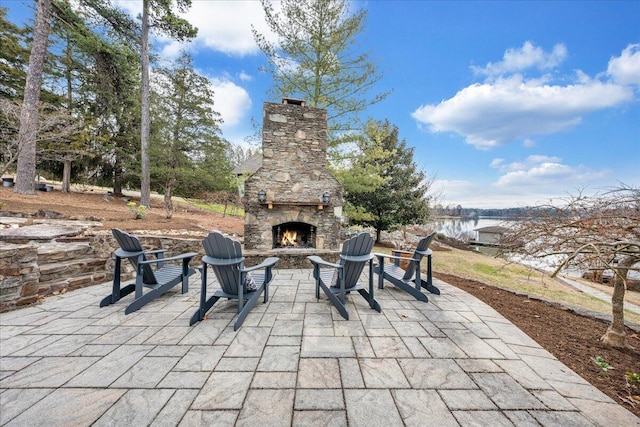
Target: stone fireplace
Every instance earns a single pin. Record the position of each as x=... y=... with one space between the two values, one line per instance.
x=292 y=201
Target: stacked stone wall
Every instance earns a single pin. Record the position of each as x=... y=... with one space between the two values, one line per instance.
x=31 y=271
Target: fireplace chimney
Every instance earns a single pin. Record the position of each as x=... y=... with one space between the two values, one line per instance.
x=293 y=101
x=293 y=188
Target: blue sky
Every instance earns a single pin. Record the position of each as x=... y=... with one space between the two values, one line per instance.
x=507 y=103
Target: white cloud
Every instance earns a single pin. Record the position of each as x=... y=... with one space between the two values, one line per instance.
x=245 y=77
x=528 y=56
x=510 y=109
x=171 y=49
x=528 y=182
x=625 y=69
x=538 y=172
x=473 y=194
x=231 y=101
x=495 y=163
x=223 y=26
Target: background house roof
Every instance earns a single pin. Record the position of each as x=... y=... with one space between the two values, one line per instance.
x=250 y=166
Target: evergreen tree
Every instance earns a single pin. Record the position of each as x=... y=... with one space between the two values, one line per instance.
x=109 y=97
x=156 y=14
x=316 y=58
x=188 y=151
x=398 y=195
x=14 y=58
x=33 y=93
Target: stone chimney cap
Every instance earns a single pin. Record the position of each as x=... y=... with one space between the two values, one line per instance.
x=293 y=101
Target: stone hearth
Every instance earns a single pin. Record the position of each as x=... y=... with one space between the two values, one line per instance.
x=293 y=190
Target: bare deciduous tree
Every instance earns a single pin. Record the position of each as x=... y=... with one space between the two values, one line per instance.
x=598 y=233
x=54 y=130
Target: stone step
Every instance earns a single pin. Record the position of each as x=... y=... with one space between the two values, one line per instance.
x=54 y=252
x=62 y=270
x=67 y=284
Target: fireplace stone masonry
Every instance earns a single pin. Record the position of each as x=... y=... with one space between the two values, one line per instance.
x=293 y=186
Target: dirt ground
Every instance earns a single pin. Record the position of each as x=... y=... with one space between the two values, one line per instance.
x=572 y=338
x=112 y=212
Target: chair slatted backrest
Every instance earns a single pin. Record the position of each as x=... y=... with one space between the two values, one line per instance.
x=360 y=245
x=422 y=246
x=131 y=243
x=220 y=247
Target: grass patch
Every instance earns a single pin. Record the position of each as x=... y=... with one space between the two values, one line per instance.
x=217 y=208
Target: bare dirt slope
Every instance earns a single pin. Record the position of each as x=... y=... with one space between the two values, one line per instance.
x=113 y=212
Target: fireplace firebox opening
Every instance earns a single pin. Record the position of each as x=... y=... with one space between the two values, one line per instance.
x=294 y=235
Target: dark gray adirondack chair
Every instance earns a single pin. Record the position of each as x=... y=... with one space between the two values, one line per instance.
x=408 y=280
x=224 y=255
x=356 y=252
x=159 y=281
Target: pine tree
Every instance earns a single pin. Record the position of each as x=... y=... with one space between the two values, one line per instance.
x=400 y=196
x=14 y=58
x=188 y=152
x=316 y=58
x=156 y=14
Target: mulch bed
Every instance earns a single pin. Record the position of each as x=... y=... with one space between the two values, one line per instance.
x=572 y=338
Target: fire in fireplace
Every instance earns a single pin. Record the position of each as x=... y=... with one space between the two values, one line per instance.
x=294 y=235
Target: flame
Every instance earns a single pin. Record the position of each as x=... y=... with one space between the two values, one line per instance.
x=289 y=238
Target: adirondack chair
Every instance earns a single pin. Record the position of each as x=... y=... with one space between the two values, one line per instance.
x=408 y=280
x=159 y=281
x=224 y=255
x=341 y=278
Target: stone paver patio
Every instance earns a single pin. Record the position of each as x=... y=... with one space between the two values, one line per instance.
x=295 y=362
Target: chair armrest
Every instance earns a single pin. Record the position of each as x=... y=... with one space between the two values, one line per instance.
x=121 y=253
x=399 y=251
x=425 y=252
x=173 y=258
x=317 y=261
x=155 y=252
x=267 y=263
x=357 y=258
x=221 y=261
x=382 y=256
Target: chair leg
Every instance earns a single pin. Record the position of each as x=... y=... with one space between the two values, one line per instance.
x=339 y=305
x=410 y=290
x=244 y=312
x=205 y=304
x=185 y=276
x=379 y=268
x=372 y=302
x=428 y=285
x=116 y=291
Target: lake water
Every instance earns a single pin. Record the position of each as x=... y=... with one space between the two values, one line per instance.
x=464 y=228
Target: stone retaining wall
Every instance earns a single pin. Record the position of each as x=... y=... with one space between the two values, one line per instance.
x=31 y=271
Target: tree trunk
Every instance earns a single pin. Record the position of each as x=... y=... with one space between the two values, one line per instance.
x=168 y=202
x=616 y=335
x=66 y=171
x=26 y=168
x=117 y=175
x=66 y=176
x=378 y=232
x=145 y=179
